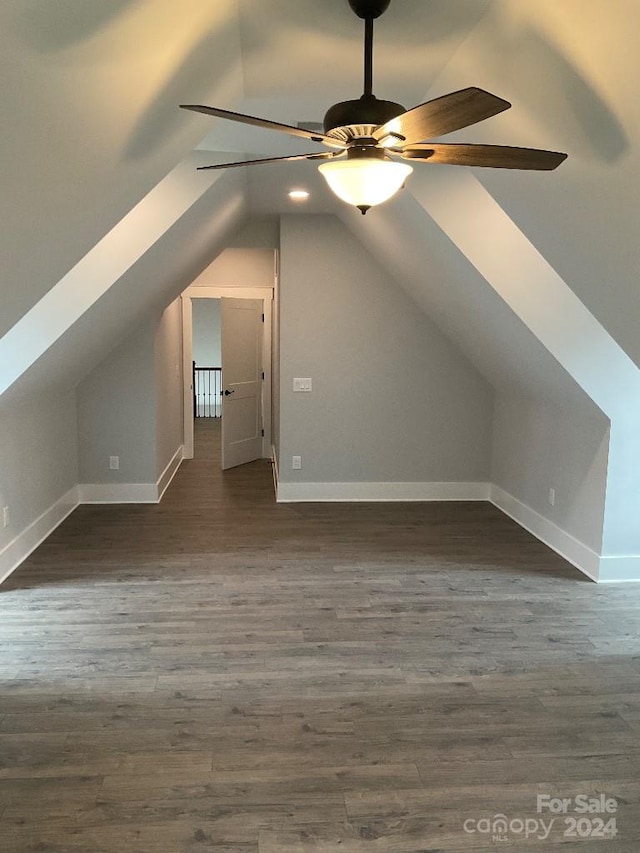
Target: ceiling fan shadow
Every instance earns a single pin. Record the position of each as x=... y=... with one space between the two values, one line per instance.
x=162 y=117
x=558 y=90
x=429 y=23
x=49 y=27
x=407 y=23
x=256 y=19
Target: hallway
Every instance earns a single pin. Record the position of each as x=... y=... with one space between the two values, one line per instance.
x=222 y=673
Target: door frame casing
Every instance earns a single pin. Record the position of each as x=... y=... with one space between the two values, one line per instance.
x=217 y=292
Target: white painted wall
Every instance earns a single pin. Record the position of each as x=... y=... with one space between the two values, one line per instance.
x=131 y=405
x=392 y=400
x=38 y=456
x=540 y=408
x=570 y=79
x=85 y=354
x=239 y=267
x=117 y=413
x=540 y=445
x=260 y=232
x=568 y=74
x=206 y=332
x=169 y=385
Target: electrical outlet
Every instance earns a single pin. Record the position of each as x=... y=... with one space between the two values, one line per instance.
x=296 y=462
x=6 y=520
x=552 y=497
x=114 y=463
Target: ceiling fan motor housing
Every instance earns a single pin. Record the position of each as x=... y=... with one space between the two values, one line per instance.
x=365 y=111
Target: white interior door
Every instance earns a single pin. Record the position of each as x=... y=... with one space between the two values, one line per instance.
x=242 y=331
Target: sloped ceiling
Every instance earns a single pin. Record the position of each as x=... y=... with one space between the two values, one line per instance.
x=156 y=279
x=571 y=79
x=571 y=70
x=465 y=307
x=90 y=121
x=301 y=57
x=92 y=91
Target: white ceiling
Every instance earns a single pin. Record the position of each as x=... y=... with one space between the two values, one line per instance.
x=300 y=57
x=293 y=48
x=92 y=92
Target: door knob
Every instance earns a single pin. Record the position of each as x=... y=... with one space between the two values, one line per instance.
x=227 y=392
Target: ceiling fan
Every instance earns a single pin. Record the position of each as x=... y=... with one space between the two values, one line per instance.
x=369 y=133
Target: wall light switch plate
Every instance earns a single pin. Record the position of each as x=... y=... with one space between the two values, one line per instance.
x=302 y=385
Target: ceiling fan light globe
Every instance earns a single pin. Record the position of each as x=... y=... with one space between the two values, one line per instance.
x=365 y=182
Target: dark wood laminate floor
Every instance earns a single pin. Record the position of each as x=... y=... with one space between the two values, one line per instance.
x=218 y=673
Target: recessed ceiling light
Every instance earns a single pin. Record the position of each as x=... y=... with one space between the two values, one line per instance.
x=298 y=195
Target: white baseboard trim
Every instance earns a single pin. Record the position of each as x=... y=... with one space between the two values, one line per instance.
x=13 y=554
x=620 y=569
x=575 y=552
x=274 y=468
x=328 y=492
x=17 y=551
x=131 y=493
x=170 y=472
x=607 y=569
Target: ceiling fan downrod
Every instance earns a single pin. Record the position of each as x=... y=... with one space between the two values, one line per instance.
x=368 y=10
x=366 y=112
x=368 y=57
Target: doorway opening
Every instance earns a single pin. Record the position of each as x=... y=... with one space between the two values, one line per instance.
x=207 y=359
x=234 y=400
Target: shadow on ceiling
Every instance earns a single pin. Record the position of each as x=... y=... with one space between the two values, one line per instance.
x=541 y=78
x=404 y=24
x=584 y=119
x=212 y=62
x=52 y=26
x=557 y=88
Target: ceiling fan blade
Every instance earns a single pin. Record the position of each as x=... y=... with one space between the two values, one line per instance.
x=441 y=116
x=326 y=155
x=494 y=156
x=312 y=135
